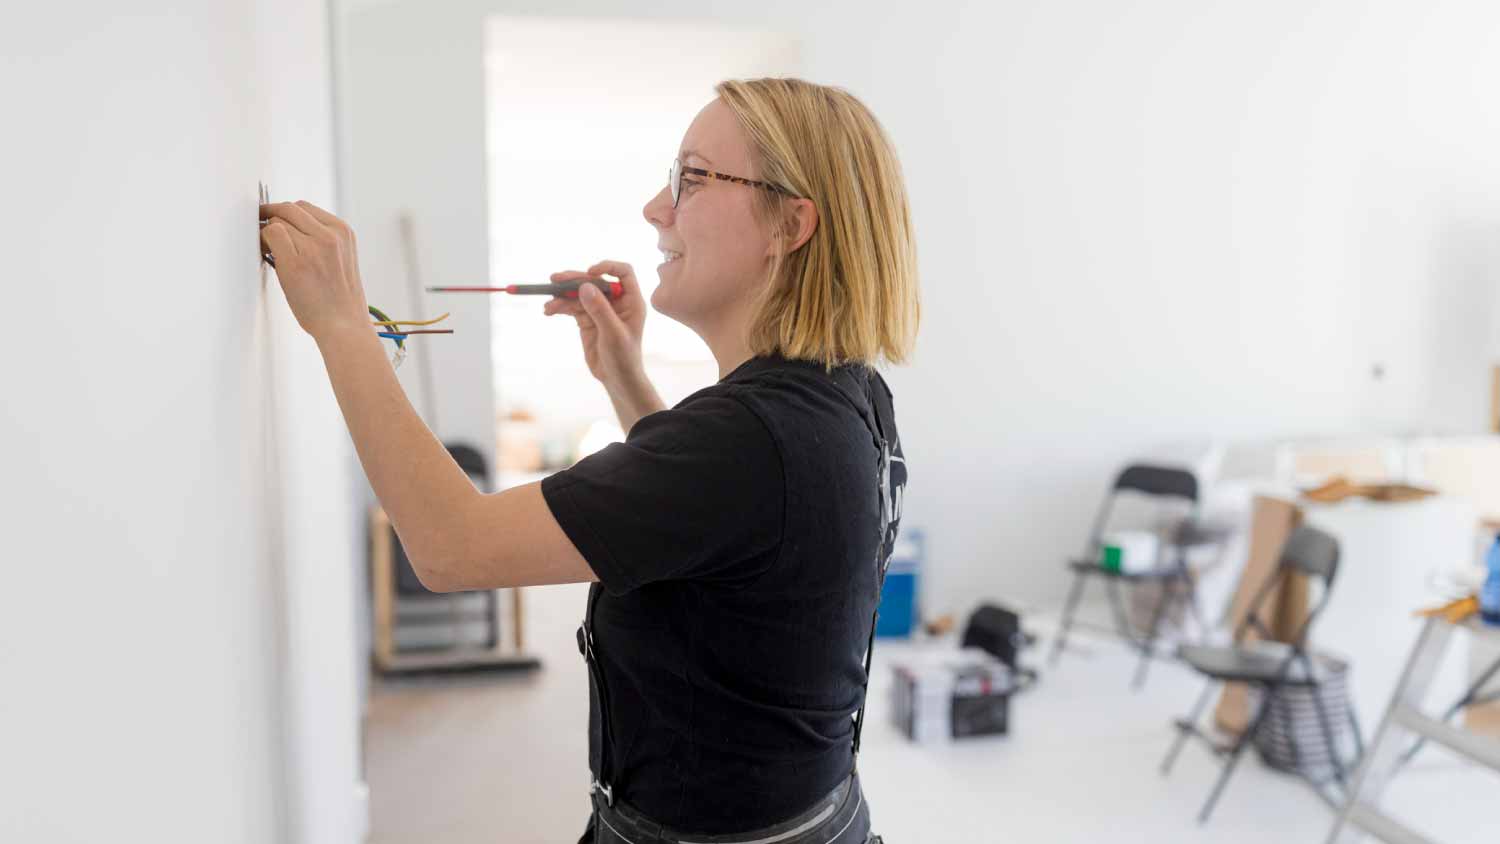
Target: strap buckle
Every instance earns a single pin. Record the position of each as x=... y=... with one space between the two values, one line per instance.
x=609 y=793
x=585 y=642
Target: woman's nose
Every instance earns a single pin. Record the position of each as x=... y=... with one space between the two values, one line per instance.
x=658 y=210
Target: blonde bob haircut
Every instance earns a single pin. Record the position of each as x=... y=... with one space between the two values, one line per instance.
x=849 y=294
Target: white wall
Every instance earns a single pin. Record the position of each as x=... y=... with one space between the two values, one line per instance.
x=321 y=509
x=415 y=115
x=177 y=656
x=544 y=118
x=1139 y=223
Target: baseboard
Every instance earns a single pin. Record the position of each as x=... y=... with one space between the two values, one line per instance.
x=361 y=810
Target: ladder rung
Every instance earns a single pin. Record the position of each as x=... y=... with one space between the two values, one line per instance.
x=1481 y=749
x=1381 y=826
x=423 y=620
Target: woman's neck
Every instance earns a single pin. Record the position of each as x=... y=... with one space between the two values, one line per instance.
x=727 y=342
x=731 y=357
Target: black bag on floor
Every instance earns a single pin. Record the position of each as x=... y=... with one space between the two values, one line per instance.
x=998 y=631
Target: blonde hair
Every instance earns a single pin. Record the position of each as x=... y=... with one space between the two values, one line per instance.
x=849 y=294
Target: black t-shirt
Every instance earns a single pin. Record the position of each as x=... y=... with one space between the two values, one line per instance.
x=735 y=538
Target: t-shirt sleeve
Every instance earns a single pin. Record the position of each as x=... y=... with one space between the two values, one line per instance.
x=694 y=492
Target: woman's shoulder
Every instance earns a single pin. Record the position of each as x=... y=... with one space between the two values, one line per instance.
x=717 y=413
x=811 y=384
x=803 y=402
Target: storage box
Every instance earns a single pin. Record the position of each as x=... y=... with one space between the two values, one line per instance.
x=938 y=696
x=899 y=610
x=1129 y=551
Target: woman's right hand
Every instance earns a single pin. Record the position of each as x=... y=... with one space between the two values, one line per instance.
x=610 y=330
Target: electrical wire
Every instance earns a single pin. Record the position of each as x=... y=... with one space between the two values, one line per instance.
x=393 y=323
x=401 y=335
x=396 y=335
x=380 y=315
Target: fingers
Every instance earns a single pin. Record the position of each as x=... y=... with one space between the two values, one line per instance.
x=620 y=270
x=320 y=215
x=597 y=305
x=562 y=306
x=342 y=232
x=296 y=217
x=568 y=307
x=617 y=269
x=277 y=237
x=558 y=304
x=596 y=309
x=571 y=275
x=591 y=309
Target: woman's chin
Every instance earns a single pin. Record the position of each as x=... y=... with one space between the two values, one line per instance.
x=660 y=301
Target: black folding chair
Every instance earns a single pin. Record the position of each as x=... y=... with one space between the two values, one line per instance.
x=1272 y=666
x=1175 y=578
x=408 y=585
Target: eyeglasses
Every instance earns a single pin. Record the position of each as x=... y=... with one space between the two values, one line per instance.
x=674 y=178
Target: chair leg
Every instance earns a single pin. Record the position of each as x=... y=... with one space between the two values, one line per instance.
x=1150 y=644
x=1067 y=620
x=1359 y=735
x=1197 y=608
x=1234 y=753
x=1326 y=727
x=1184 y=728
x=1117 y=607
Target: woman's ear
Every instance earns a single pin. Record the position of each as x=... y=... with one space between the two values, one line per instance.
x=799 y=221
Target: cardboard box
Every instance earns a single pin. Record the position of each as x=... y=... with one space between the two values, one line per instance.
x=1495 y=399
x=1284 y=609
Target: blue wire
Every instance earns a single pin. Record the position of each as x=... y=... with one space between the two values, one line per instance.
x=392 y=336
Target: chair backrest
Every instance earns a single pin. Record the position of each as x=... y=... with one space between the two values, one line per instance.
x=471 y=460
x=1312 y=552
x=1149 y=480
x=1307 y=551
x=1158 y=480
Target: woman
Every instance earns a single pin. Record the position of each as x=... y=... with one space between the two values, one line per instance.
x=736 y=542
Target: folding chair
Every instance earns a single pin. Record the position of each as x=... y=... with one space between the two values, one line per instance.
x=1175 y=578
x=1270 y=665
x=417 y=630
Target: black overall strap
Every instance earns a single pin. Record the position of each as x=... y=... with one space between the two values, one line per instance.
x=872 y=417
x=602 y=782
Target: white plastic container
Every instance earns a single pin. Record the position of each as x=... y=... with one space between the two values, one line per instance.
x=1129 y=551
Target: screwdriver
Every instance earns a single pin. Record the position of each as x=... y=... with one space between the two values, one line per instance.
x=565 y=289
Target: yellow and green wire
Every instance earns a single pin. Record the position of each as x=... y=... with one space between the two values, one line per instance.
x=394 y=333
x=400 y=339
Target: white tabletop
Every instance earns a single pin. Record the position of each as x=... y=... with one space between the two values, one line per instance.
x=1391 y=556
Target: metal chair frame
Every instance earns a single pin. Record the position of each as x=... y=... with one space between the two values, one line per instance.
x=1310 y=552
x=1156 y=481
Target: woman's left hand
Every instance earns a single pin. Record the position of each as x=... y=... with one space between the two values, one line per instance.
x=317 y=266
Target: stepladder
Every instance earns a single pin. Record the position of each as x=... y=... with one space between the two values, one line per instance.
x=1403 y=727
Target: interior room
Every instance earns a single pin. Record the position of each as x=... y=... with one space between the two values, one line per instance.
x=1191 y=530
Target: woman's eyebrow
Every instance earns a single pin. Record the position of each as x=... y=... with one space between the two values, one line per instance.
x=687 y=153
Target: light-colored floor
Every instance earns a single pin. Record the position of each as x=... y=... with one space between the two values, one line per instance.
x=503 y=759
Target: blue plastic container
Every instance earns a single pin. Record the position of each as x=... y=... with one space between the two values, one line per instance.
x=899 y=610
x=1489 y=594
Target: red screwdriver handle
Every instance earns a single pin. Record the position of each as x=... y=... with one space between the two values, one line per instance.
x=612 y=289
x=566 y=289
